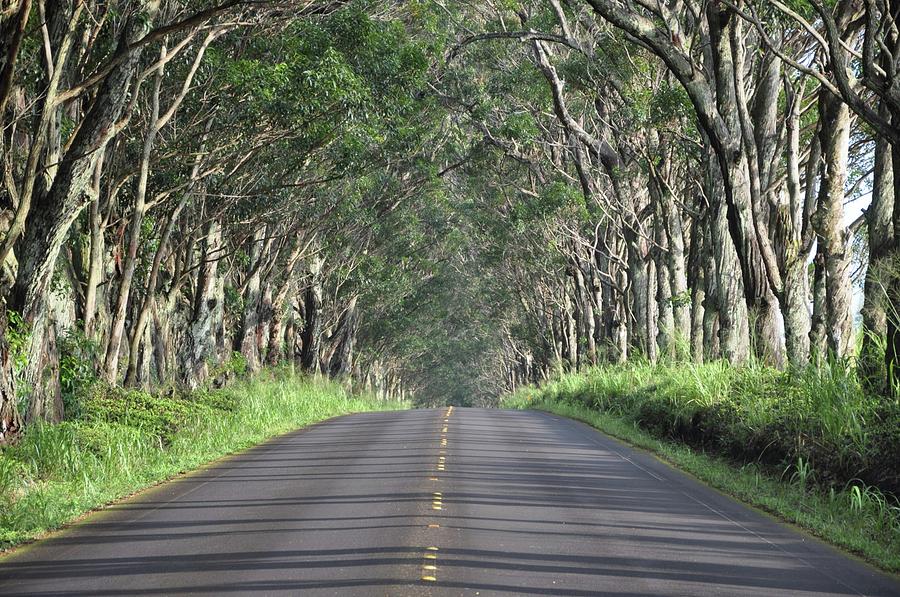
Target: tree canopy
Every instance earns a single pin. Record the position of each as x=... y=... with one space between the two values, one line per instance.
x=442 y=200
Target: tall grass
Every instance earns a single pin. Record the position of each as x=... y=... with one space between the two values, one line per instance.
x=809 y=445
x=127 y=440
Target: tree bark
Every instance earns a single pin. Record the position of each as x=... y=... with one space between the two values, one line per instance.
x=733 y=330
x=795 y=230
x=697 y=281
x=312 y=327
x=665 y=328
x=203 y=343
x=834 y=116
x=342 y=357
x=95 y=260
x=248 y=344
x=881 y=238
x=818 y=334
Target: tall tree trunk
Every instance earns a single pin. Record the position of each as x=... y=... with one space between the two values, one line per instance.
x=263 y=326
x=665 y=333
x=312 y=327
x=203 y=341
x=247 y=343
x=794 y=229
x=731 y=307
x=881 y=238
x=652 y=312
x=586 y=311
x=697 y=281
x=342 y=357
x=570 y=317
x=95 y=259
x=834 y=116
x=639 y=293
x=681 y=307
x=818 y=333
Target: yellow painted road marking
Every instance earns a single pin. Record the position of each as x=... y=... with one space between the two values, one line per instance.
x=432 y=548
x=430 y=556
x=434 y=526
x=428 y=567
x=429 y=578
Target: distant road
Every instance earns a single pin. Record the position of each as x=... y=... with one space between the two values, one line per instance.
x=480 y=502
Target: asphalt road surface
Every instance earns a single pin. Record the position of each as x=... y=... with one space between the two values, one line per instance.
x=436 y=502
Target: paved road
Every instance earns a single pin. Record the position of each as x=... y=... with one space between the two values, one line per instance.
x=477 y=502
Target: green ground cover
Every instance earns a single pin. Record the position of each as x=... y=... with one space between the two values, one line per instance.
x=809 y=446
x=120 y=441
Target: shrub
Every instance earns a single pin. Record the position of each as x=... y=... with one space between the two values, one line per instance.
x=821 y=416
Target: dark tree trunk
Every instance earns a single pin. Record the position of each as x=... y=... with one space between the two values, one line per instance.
x=881 y=237
x=342 y=357
x=312 y=325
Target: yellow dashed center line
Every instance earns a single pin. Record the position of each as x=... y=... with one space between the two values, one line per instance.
x=429 y=567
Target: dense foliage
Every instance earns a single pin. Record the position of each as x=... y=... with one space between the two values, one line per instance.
x=450 y=200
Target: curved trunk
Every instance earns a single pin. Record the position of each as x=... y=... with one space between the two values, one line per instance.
x=117 y=329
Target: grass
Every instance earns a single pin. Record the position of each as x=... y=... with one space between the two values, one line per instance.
x=779 y=441
x=125 y=440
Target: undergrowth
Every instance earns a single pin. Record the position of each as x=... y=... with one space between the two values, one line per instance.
x=123 y=440
x=810 y=446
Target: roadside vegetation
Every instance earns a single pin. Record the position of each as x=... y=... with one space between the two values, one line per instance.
x=810 y=446
x=123 y=440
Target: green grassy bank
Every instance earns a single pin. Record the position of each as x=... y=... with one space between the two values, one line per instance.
x=120 y=441
x=784 y=442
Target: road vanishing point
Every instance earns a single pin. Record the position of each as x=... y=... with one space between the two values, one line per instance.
x=451 y=501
